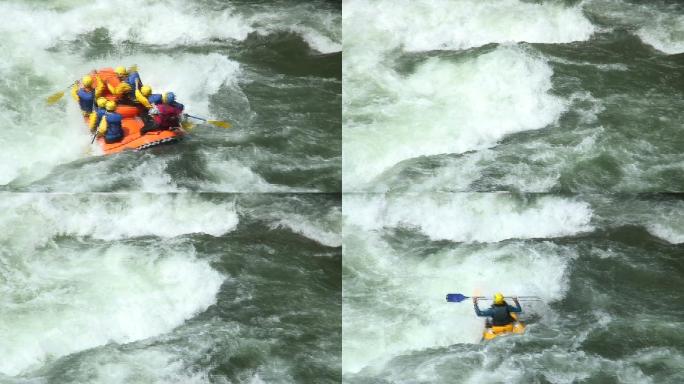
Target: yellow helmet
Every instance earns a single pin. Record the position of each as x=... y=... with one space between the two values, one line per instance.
x=146 y=90
x=101 y=102
x=110 y=105
x=498 y=298
x=120 y=70
x=87 y=81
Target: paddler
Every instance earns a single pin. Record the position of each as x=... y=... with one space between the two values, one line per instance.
x=122 y=91
x=110 y=124
x=166 y=115
x=84 y=94
x=133 y=78
x=499 y=311
x=96 y=116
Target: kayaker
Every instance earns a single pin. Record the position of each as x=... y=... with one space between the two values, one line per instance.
x=96 y=116
x=110 y=124
x=84 y=94
x=499 y=311
x=166 y=115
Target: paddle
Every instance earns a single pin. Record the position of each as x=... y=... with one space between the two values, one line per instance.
x=55 y=97
x=218 y=123
x=458 y=297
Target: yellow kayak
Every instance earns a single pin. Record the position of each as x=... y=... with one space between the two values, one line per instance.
x=495 y=331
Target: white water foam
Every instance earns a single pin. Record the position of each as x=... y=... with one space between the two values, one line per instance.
x=394 y=300
x=471 y=217
x=31 y=220
x=59 y=301
x=37 y=138
x=445 y=106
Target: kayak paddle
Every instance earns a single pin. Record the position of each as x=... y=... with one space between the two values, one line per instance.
x=457 y=297
x=218 y=123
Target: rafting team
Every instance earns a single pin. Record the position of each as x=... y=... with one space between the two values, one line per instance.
x=99 y=93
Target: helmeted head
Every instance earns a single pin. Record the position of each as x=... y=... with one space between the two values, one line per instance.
x=146 y=90
x=498 y=298
x=101 y=102
x=87 y=81
x=110 y=106
x=120 y=71
x=168 y=97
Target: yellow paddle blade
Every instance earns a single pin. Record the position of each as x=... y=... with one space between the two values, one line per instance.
x=188 y=126
x=55 y=98
x=218 y=123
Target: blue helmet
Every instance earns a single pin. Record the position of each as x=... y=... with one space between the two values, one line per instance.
x=170 y=97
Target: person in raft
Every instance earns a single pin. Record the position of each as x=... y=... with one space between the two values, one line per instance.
x=123 y=91
x=133 y=79
x=96 y=116
x=165 y=114
x=110 y=124
x=84 y=94
x=499 y=311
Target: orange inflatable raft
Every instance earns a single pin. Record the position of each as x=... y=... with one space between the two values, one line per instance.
x=131 y=122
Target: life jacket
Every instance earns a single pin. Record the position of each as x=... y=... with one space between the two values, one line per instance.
x=168 y=117
x=96 y=117
x=114 y=129
x=501 y=315
x=134 y=81
x=155 y=98
x=86 y=99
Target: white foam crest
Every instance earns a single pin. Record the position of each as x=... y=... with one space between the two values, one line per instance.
x=319 y=28
x=233 y=176
x=664 y=32
x=34 y=219
x=424 y=25
x=442 y=107
x=672 y=232
x=173 y=23
x=396 y=303
x=472 y=217
x=312 y=229
x=59 y=301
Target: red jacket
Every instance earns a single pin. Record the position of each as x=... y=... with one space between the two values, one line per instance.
x=168 y=117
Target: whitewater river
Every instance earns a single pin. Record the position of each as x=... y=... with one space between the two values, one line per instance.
x=272 y=69
x=382 y=154
x=510 y=95
x=175 y=288
x=527 y=147
x=198 y=262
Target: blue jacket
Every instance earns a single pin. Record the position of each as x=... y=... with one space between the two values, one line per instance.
x=178 y=105
x=86 y=99
x=155 y=98
x=500 y=314
x=114 y=130
x=134 y=81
